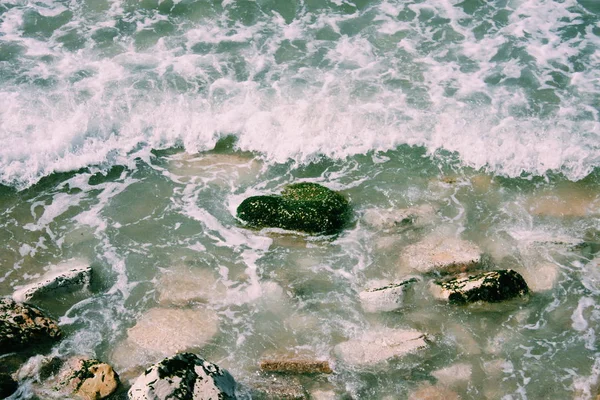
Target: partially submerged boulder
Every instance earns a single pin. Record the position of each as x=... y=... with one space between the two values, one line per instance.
x=184 y=376
x=379 y=345
x=89 y=379
x=22 y=325
x=383 y=298
x=305 y=207
x=493 y=286
x=67 y=277
x=441 y=254
x=278 y=388
x=182 y=286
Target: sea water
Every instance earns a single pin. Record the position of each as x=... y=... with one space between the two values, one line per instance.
x=131 y=130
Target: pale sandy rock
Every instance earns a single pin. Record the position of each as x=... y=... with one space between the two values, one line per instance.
x=323 y=395
x=430 y=392
x=381 y=297
x=454 y=375
x=380 y=345
x=465 y=341
x=89 y=379
x=169 y=330
x=378 y=218
x=442 y=254
x=184 y=376
x=386 y=242
x=182 y=286
x=69 y=276
x=542 y=276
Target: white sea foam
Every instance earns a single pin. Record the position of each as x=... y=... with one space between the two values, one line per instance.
x=287 y=95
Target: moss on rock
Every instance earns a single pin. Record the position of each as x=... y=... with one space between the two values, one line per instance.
x=306 y=207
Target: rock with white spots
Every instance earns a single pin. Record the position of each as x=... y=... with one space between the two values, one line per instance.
x=441 y=254
x=378 y=345
x=23 y=326
x=184 y=376
x=67 y=277
x=385 y=297
x=384 y=219
x=492 y=287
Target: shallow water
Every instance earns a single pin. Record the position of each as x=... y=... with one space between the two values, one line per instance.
x=131 y=130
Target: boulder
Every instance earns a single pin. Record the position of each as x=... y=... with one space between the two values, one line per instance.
x=22 y=325
x=305 y=207
x=379 y=345
x=454 y=375
x=384 y=219
x=493 y=286
x=383 y=298
x=89 y=379
x=184 y=376
x=182 y=286
x=441 y=254
x=7 y=385
x=66 y=277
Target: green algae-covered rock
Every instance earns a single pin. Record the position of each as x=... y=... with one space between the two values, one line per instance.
x=306 y=207
x=493 y=286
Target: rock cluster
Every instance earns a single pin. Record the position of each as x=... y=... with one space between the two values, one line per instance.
x=22 y=325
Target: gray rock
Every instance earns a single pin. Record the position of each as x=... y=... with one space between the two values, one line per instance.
x=441 y=254
x=184 y=376
x=22 y=325
x=494 y=286
x=379 y=345
x=67 y=277
x=385 y=297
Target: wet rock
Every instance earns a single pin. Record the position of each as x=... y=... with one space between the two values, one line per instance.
x=184 y=376
x=22 y=325
x=323 y=395
x=182 y=286
x=430 y=392
x=278 y=388
x=494 y=286
x=387 y=297
x=567 y=200
x=89 y=379
x=441 y=254
x=380 y=345
x=7 y=385
x=454 y=375
x=305 y=207
x=295 y=364
x=66 y=277
x=378 y=218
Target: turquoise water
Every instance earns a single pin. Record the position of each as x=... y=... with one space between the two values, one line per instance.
x=131 y=130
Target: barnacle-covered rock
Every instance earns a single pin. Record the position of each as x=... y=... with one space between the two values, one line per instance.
x=305 y=207
x=493 y=286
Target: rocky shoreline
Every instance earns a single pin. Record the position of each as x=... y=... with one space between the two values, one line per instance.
x=452 y=270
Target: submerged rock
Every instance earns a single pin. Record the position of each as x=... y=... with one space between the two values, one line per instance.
x=184 y=376
x=494 y=286
x=380 y=345
x=278 y=388
x=454 y=375
x=541 y=277
x=66 y=277
x=305 y=207
x=167 y=331
x=89 y=379
x=22 y=325
x=441 y=254
x=383 y=298
x=182 y=286
x=378 y=218
x=431 y=392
